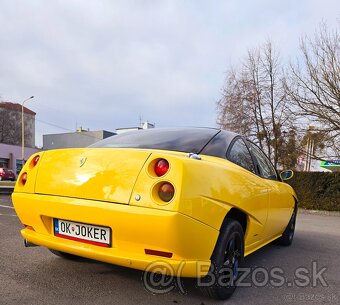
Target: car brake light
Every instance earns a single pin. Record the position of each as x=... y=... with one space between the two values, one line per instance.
x=166 y=191
x=161 y=167
x=35 y=160
x=24 y=178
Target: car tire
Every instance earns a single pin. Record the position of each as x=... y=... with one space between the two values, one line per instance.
x=65 y=255
x=220 y=282
x=288 y=235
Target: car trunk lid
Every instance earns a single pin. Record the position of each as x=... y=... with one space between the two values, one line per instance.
x=105 y=174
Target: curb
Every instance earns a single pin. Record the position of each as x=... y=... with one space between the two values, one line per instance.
x=319 y=212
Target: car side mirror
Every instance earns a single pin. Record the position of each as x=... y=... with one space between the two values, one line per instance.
x=286 y=175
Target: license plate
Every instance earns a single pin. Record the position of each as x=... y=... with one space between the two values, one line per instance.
x=86 y=233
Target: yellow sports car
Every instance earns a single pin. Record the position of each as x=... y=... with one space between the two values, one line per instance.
x=183 y=197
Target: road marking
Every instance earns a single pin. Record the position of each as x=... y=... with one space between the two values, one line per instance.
x=8 y=215
x=6 y=206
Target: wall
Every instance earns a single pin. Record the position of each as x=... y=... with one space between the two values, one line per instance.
x=13 y=153
x=29 y=121
x=74 y=139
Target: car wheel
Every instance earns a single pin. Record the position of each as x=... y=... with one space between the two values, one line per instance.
x=65 y=255
x=220 y=283
x=287 y=237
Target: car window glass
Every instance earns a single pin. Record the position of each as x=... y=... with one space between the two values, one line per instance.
x=266 y=169
x=217 y=147
x=239 y=154
x=176 y=139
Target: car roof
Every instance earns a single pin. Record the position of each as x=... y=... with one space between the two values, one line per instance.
x=185 y=139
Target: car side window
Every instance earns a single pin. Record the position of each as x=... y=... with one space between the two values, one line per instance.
x=240 y=155
x=265 y=168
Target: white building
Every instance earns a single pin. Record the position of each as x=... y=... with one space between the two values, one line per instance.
x=145 y=125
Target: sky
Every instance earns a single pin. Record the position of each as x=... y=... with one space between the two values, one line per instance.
x=108 y=64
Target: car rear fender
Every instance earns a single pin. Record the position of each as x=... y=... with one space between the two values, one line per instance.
x=204 y=190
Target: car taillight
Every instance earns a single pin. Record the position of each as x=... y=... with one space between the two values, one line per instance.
x=35 y=160
x=24 y=178
x=166 y=191
x=161 y=167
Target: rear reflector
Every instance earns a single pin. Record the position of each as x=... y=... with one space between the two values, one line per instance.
x=29 y=227
x=158 y=253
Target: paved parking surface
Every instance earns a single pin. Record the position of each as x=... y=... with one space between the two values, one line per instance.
x=36 y=276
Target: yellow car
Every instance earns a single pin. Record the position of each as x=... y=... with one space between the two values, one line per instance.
x=197 y=200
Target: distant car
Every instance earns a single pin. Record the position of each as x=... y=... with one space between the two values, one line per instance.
x=183 y=197
x=6 y=174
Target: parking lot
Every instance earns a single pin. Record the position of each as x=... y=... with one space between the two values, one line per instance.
x=36 y=276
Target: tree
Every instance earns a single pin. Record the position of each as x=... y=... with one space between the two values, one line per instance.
x=254 y=101
x=10 y=132
x=314 y=84
x=289 y=150
x=234 y=108
x=10 y=127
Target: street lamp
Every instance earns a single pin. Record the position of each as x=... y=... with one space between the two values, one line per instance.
x=23 y=130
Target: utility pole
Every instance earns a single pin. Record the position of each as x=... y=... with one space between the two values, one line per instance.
x=23 y=130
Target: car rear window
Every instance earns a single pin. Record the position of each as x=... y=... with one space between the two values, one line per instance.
x=175 y=139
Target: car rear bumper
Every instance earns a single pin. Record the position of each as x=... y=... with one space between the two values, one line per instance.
x=134 y=229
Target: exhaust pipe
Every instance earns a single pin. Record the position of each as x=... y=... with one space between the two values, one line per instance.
x=28 y=244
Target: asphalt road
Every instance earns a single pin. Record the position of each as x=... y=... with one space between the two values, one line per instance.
x=36 y=276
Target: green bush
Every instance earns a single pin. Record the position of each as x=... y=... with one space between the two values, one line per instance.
x=317 y=190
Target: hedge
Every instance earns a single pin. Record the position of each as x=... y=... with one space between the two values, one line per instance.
x=317 y=190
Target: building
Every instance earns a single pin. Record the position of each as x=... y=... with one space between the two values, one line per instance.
x=11 y=135
x=145 y=125
x=80 y=138
x=10 y=156
x=84 y=137
x=10 y=124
